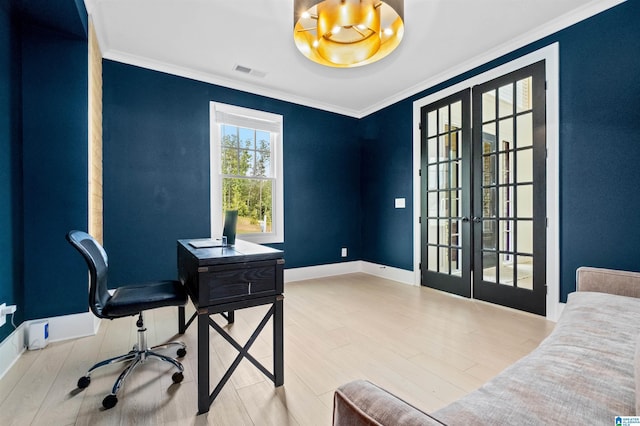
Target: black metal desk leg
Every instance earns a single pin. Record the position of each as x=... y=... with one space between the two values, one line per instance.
x=278 y=342
x=203 y=361
x=181 y=320
x=230 y=316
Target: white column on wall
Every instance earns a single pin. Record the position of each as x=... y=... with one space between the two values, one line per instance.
x=95 y=219
x=95 y=136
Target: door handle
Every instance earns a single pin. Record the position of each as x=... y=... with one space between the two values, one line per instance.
x=476 y=219
x=465 y=219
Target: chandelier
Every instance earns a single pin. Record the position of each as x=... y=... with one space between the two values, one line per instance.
x=347 y=33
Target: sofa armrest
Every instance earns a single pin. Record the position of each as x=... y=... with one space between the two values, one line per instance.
x=623 y=283
x=361 y=403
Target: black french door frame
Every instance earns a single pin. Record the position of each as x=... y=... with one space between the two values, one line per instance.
x=469 y=217
x=525 y=299
x=435 y=167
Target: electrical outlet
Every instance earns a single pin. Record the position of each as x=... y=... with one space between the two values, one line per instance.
x=3 y=318
x=344 y=252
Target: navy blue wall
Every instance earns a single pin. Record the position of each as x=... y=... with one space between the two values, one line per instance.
x=599 y=150
x=63 y=16
x=321 y=187
x=10 y=166
x=600 y=142
x=387 y=170
x=156 y=173
x=55 y=138
x=43 y=159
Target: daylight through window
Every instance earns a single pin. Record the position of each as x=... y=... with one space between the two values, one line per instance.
x=246 y=171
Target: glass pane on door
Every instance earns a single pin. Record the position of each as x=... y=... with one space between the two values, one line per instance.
x=507 y=185
x=444 y=189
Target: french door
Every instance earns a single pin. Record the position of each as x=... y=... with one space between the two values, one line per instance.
x=483 y=180
x=446 y=194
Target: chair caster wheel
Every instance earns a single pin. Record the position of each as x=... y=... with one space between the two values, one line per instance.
x=181 y=352
x=84 y=381
x=177 y=377
x=109 y=401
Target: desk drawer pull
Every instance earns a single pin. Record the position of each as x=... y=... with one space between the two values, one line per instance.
x=249 y=288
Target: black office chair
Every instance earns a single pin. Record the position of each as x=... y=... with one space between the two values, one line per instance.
x=126 y=301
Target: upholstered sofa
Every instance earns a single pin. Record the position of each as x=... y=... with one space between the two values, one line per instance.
x=584 y=372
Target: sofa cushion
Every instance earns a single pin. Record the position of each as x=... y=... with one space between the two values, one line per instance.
x=361 y=403
x=582 y=373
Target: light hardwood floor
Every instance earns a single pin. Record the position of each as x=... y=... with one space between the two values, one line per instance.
x=428 y=347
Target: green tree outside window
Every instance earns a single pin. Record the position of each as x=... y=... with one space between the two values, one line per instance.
x=247 y=177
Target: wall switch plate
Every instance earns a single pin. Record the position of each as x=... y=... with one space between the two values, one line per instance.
x=344 y=252
x=3 y=318
x=400 y=203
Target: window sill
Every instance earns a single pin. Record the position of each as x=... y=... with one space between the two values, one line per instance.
x=261 y=238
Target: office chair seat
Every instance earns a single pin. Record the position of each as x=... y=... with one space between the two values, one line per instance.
x=132 y=299
x=127 y=301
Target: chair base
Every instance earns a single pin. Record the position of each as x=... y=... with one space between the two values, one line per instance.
x=136 y=357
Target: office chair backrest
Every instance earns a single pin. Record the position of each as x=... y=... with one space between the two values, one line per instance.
x=97 y=261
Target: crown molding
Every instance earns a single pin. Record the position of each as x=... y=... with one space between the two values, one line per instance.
x=562 y=22
x=205 y=77
x=588 y=10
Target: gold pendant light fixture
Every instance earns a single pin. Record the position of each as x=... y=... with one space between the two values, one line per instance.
x=347 y=33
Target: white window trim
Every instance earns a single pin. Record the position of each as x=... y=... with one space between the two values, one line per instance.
x=251 y=118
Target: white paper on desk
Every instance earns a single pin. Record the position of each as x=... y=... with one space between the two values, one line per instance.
x=206 y=243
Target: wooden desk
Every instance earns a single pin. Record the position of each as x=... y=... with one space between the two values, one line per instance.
x=222 y=280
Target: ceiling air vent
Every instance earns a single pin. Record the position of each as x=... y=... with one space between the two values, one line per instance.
x=249 y=71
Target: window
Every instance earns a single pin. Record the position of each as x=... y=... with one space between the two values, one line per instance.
x=246 y=172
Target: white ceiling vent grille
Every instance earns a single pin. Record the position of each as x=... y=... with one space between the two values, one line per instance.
x=249 y=71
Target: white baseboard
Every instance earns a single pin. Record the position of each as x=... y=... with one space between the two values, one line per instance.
x=63 y=327
x=389 y=272
x=72 y=326
x=321 y=271
x=11 y=348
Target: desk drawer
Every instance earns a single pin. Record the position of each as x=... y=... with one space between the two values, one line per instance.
x=228 y=284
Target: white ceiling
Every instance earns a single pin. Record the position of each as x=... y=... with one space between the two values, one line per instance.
x=206 y=39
